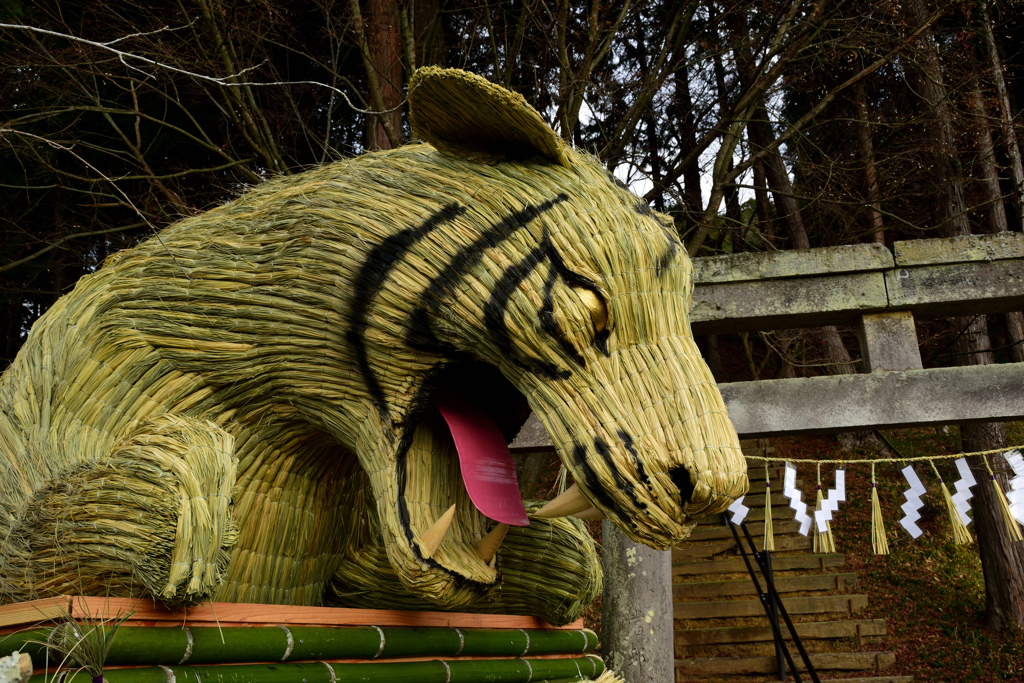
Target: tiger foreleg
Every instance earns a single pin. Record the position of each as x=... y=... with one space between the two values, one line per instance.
x=153 y=518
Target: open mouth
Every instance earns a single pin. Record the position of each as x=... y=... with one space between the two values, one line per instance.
x=458 y=492
x=444 y=526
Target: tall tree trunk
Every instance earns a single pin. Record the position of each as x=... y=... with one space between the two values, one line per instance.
x=927 y=82
x=786 y=207
x=730 y=191
x=994 y=205
x=385 y=42
x=380 y=45
x=1001 y=561
x=876 y=227
x=692 y=198
x=995 y=67
x=428 y=32
x=991 y=194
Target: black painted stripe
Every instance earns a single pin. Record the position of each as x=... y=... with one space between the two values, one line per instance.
x=593 y=484
x=372 y=274
x=419 y=334
x=621 y=483
x=627 y=441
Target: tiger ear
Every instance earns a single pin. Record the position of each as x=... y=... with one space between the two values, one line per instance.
x=464 y=115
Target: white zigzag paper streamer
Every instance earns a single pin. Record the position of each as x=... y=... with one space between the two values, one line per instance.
x=963 y=490
x=1016 y=495
x=913 y=504
x=739 y=511
x=830 y=503
x=790 y=491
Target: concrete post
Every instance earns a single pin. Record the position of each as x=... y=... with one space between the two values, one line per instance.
x=636 y=614
x=888 y=341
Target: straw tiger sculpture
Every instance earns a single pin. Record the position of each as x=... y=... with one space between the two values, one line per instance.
x=239 y=408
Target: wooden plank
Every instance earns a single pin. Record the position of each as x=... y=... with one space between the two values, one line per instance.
x=807 y=630
x=687 y=551
x=1000 y=246
x=783 y=584
x=36 y=611
x=825 y=604
x=247 y=614
x=940 y=291
x=880 y=400
x=778 y=304
x=791 y=263
x=822 y=661
x=735 y=565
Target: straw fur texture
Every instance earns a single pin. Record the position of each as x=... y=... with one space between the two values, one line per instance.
x=270 y=362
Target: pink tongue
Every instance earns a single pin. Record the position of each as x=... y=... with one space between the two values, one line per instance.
x=487 y=468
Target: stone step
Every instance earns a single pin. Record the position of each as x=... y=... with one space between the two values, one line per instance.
x=722 y=532
x=735 y=565
x=822 y=661
x=780 y=512
x=693 y=551
x=807 y=630
x=815 y=604
x=757 y=485
x=783 y=584
x=756 y=500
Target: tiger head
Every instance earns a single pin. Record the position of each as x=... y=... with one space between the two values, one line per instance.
x=539 y=283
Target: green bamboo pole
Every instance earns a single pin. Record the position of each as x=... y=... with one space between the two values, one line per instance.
x=141 y=645
x=434 y=671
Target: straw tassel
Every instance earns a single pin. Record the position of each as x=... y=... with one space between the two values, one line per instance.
x=823 y=541
x=961 y=535
x=1012 y=527
x=879 y=543
x=768 y=543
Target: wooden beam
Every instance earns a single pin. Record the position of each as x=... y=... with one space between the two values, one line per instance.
x=880 y=400
x=772 y=265
x=815 y=287
x=792 y=302
x=1002 y=245
x=243 y=614
x=944 y=290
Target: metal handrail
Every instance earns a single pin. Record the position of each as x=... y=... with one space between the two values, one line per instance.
x=771 y=598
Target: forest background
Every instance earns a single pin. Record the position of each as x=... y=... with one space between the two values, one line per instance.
x=758 y=125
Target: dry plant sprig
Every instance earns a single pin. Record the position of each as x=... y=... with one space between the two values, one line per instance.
x=83 y=643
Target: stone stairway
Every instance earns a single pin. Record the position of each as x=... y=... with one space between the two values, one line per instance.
x=721 y=631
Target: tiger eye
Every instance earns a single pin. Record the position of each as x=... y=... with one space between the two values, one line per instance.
x=598 y=310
